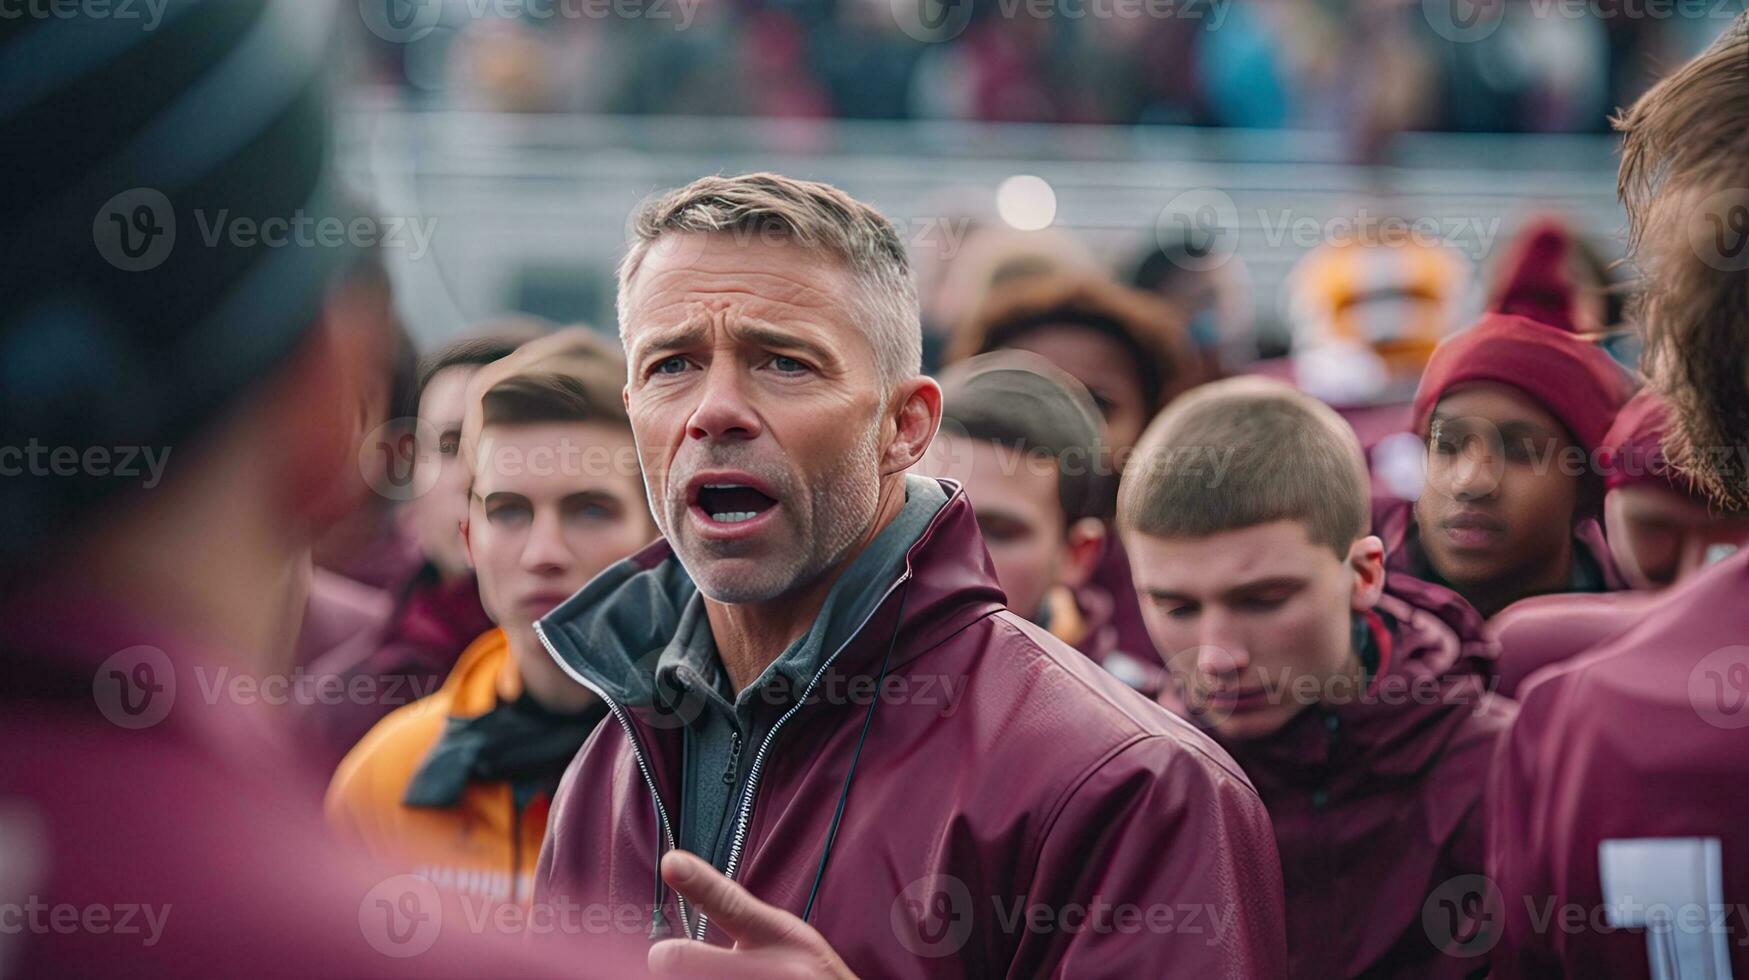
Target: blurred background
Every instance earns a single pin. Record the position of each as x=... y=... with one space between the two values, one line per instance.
x=1219 y=152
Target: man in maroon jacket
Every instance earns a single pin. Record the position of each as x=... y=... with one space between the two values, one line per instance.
x=1617 y=838
x=818 y=653
x=1362 y=720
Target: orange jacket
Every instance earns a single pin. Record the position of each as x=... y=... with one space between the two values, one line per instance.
x=483 y=846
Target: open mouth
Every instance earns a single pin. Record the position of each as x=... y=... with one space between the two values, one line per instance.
x=732 y=503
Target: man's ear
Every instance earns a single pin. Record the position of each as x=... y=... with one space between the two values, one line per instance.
x=322 y=404
x=917 y=407
x=1085 y=546
x=1366 y=560
x=467 y=543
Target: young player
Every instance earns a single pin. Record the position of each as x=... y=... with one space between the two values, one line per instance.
x=1361 y=719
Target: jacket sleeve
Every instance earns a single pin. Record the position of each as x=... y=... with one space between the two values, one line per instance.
x=1162 y=862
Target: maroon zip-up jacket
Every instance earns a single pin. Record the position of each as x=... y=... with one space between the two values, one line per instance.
x=1377 y=805
x=1639 y=749
x=1048 y=822
x=154 y=822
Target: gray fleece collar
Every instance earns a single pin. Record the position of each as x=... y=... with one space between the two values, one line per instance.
x=637 y=620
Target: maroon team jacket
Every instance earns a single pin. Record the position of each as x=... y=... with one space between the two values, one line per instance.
x=1052 y=822
x=154 y=823
x=1377 y=805
x=1629 y=767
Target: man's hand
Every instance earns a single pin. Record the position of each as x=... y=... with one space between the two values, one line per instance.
x=769 y=942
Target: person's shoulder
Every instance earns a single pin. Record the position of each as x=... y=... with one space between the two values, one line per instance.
x=1065 y=707
x=1671 y=634
x=376 y=771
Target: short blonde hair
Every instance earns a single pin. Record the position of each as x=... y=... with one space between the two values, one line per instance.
x=814 y=215
x=571 y=375
x=1246 y=451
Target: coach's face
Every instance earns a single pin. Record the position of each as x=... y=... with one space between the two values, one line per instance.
x=758 y=410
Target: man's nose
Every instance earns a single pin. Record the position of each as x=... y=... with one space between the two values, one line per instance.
x=545 y=549
x=1475 y=474
x=723 y=410
x=1220 y=650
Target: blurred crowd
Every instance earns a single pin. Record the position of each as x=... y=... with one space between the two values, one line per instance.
x=1550 y=66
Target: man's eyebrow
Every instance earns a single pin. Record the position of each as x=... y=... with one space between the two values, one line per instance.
x=767 y=336
x=1167 y=595
x=1266 y=584
x=501 y=496
x=1524 y=427
x=675 y=338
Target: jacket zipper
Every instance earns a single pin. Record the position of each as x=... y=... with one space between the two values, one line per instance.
x=745 y=809
x=734 y=759
x=637 y=750
x=515 y=845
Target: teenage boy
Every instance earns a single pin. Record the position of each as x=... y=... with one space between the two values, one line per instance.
x=1362 y=720
x=1512 y=411
x=1662 y=529
x=1129 y=350
x=1023 y=438
x=1619 y=796
x=456 y=787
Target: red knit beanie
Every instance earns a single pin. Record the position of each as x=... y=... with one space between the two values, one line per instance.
x=1633 y=450
x=1575 y=380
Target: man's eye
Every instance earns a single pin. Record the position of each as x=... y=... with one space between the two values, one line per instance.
x=1262 y=603
x=788 y=365
x=1180 y=612
x=508 y=515
x=670 y=365
x=1521 y=452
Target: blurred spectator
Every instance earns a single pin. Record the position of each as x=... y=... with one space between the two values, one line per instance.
x=1661 y=530
x=368 y=543
x=1513 y=411
x=436 y=610
x=1022 y=437
x=989 y=254
x=1130 y=352
x=1211 y=295
x=1127 y=348
x=1366 y=313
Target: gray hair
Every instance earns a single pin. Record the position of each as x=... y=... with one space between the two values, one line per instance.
x=815 y=215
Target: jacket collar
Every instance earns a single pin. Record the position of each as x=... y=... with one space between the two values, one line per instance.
x=613 y=634
x=1430 y=682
